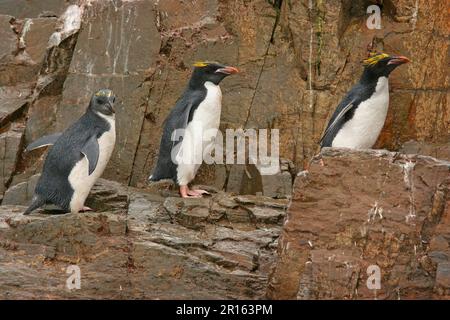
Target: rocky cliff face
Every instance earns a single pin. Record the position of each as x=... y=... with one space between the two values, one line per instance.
x=363 y=209
x=297 y=59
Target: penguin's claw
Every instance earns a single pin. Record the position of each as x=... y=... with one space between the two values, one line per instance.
x=185 y=192
x=86 y=209
x=199 y=192
x=189 y=196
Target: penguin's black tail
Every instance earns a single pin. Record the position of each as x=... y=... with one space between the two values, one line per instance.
x=36 y=202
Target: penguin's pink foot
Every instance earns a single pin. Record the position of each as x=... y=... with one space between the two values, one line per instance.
x=198 y=192
x=185 y=192
x=86 y=209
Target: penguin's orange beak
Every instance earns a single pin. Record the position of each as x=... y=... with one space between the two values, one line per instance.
x=399 y=60
x=228 y=70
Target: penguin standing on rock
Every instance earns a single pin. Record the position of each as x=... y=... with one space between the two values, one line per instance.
x=78 y=156
x=359 y=118
x=196 y=113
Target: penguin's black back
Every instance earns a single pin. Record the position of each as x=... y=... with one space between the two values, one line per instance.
x=359 y=93
x=178 y=118
x=53 y=185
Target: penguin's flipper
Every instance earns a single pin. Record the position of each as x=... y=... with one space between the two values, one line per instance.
x=91 y=151
x=182 y=124
x=44 y=141
x=337 y=118
x=187 y=114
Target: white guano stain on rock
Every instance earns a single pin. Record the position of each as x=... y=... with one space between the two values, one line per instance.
x=70 y=23
x=408 y=168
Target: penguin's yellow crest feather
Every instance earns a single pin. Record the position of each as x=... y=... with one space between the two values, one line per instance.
x=103 y=93
x=374 y=58
x=200 y=64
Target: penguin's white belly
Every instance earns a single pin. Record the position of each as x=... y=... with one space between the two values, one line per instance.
x=197 y=137
x=362 y=131
x=79 y=177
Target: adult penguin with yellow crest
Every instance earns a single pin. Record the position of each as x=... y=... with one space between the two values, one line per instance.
x=197 y=112
x=359 y=118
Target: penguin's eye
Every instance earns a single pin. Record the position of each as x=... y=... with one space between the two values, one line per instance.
x=100 y=101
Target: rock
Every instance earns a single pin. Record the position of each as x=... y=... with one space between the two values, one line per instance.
x=140 y=245
x=69 y=24
x=278 y=185
x=21 y=193
x=235 y=177
x=262 y=201
x=443 y=277
x=33 y=9
x=10 y=143
x=35 y=39
x=8 y=38
x=438 y=151
x=364 y=208
x=24 y=50
x=188 y=212
x=109 y=196
x=267 y=215
x=12 y=100
x=248 y=179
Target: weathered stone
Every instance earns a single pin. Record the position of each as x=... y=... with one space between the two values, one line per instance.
x=35 y=36
x=262 y=201
x=267 y=215
x=235 y=177
x=109 y=196
x=152 y=248
x=277 y=185
x=8 y=39
x=443 y=276
x=144 y=209
x=10 y=142
x=438 y=151
x=21 y=193
x=12 y=100
x=363 y=208
x=33 y=9
x=191 y=212
x=25 y=46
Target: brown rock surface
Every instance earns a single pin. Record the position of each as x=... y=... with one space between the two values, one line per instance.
x=360 y=209
x=140 y=245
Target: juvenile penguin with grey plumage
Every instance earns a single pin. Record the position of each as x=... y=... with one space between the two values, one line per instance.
x=358 y=119
x=78 y=156
x=196 y=113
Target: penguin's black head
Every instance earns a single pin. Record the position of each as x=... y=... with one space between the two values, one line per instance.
x=382 y=64
x=210 y=71
x=103 y=102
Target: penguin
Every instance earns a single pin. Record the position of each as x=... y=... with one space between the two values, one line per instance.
x=358 y=119
x=77 y=158
x=195 y=113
